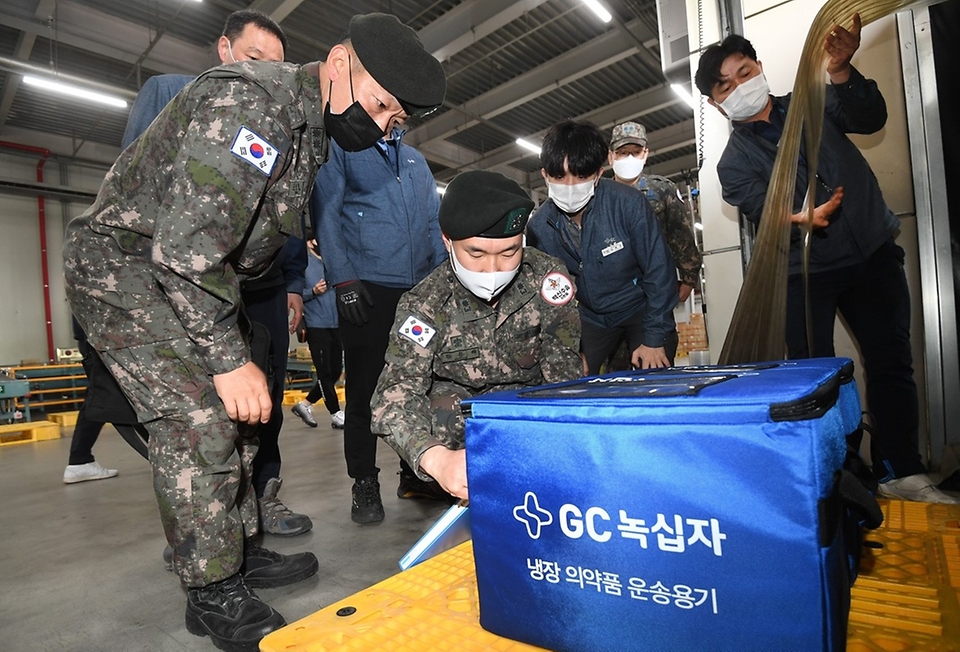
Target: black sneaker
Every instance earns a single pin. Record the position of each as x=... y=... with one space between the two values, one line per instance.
x=266 y=569
x=231 y=615
x=413 y=487
x=367 y=506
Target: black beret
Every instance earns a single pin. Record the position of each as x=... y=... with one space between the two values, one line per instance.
x=486 y=204
x=394 y=56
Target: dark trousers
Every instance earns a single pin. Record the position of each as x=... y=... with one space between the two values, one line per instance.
x=364 y=348
x=874 y=299
x=87 y=430
x=327 y=354
x=269 y=307
x=599 y=343
x=104 y=403
x=85 y=435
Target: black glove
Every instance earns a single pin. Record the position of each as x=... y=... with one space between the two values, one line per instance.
x=351 y=297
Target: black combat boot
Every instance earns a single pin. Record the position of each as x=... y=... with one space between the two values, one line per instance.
x=413 y=487
x=266 y=569
x=231 y=615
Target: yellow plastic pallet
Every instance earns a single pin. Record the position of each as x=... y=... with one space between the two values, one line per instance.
x=433 y=606
x=64 y=419
x=30 y=431
x=293 y=396
x=908 y=594
x=906 y=598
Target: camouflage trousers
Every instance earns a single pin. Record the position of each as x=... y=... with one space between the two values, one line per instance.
x=202 y=462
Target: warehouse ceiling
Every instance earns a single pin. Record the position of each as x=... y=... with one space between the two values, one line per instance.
x=513 y=68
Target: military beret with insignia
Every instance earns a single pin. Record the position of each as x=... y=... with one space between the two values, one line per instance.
x=485 y=204
x=394 y=56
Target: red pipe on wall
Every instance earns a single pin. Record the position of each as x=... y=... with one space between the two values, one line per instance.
x=42 y=223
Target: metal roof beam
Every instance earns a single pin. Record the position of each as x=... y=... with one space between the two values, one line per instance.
x=633 y=107
x=675 y=166
x=107 y=36
x=12 y=83
x=469 y=22
x=598 y=53
x=276 y=9
x=22 y=50
x=51 y=191
x=660 y=142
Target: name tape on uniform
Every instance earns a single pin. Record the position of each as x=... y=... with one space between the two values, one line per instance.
x=615 y=247
x=255 y=150
x=556 y=289
x=417 y=331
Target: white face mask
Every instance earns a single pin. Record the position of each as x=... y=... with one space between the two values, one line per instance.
x=570 y=199
x=485 y=285
x=233 y=59
x=628 y=167
x=748 y=99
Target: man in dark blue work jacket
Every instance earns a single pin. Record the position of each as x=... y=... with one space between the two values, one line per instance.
x=856 y=266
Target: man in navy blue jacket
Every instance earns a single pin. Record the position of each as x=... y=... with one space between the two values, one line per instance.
x=856 y=266
x=375 y=215
x=609 y=238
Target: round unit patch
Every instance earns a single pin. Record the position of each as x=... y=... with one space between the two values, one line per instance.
x=556 y=289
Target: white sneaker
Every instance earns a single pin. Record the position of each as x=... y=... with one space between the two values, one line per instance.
x=336 y=420
x=83 y=472
x=919 y=487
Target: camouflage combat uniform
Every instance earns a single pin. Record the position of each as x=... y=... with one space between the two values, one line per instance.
x=674 y=219
x=203 y=200
x=446 y=345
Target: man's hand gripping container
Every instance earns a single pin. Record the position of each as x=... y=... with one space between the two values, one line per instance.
x=693 y=508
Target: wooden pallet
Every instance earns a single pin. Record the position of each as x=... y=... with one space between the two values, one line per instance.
x=30 y=431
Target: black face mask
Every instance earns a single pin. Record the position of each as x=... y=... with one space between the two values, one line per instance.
x=354 y=129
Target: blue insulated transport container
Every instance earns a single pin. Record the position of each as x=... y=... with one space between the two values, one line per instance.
x=692 y=508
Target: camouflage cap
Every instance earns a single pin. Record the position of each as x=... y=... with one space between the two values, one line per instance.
x=628 y=133
x=394 y=56
x=485 y=204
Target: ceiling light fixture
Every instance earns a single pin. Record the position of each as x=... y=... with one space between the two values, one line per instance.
x=74 y=91
x=441 y=190
x=684 y=95
x=599 y=10
x=526 y=144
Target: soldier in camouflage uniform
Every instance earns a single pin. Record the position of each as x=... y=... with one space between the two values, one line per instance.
x=628 y=154
x=499 y=316
x=203 y=200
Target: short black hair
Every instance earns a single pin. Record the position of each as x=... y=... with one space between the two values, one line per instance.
x=238 y=21
x=581 y=143
x=708 y=72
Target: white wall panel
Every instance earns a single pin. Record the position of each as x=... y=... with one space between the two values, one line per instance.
x=23 y=331
x=22 y=323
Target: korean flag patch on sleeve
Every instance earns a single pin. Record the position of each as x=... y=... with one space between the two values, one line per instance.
x=417 y=331
x=255 y=150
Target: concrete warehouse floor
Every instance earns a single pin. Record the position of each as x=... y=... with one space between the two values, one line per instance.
x=81 y=567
